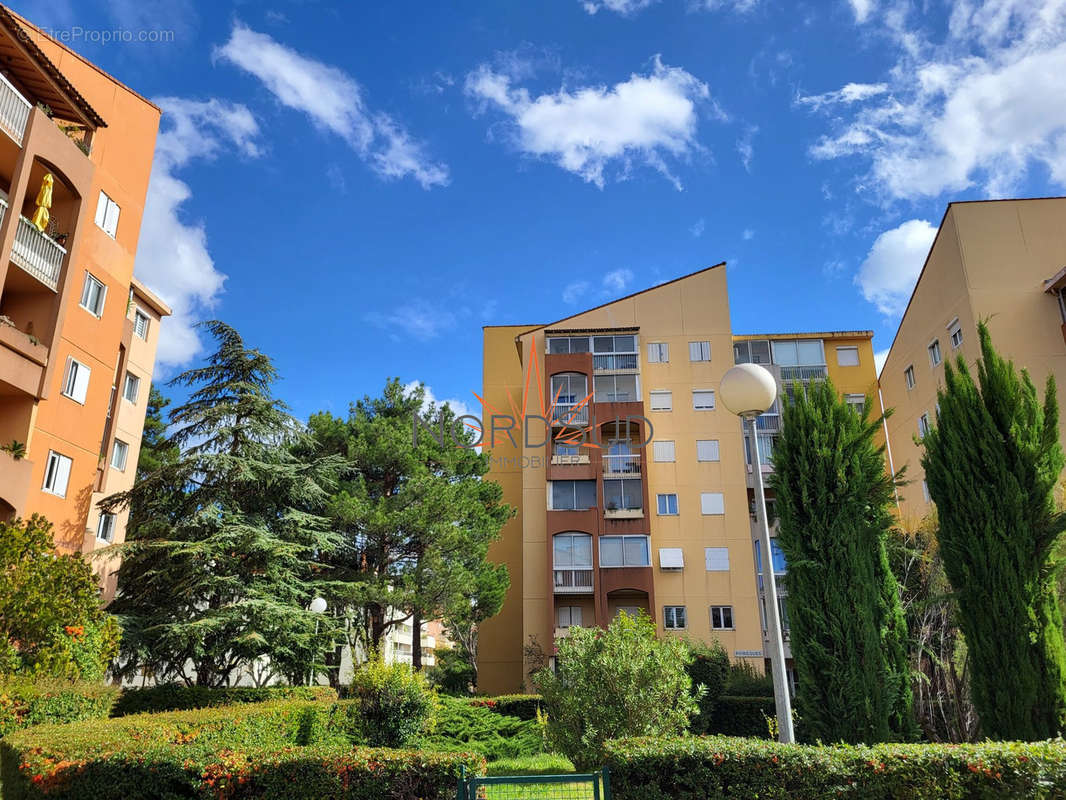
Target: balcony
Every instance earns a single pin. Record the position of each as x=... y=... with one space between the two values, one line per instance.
x=570 y=414
x=803 y=373
x=621 y=464
x=14 y=111
x=35 y=252
x=602 y=362
x=573 y=581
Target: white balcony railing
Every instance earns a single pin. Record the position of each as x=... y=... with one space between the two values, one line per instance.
x=622 y=464
x=36 y=253
x=573 y=580
x=14 y=111
x=614 y=361
x=570 y=414
x=803 y=373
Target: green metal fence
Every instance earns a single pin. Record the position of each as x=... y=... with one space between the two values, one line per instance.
x=590 y=786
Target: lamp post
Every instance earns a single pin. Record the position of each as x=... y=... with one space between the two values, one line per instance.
x=748 y=390
x=317 y=607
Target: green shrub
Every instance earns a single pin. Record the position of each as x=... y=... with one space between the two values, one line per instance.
x=708 y=668
x=742 y=716
x=392 y=704
x=24 y=703
x=714 y=767
x=463 y=725
x=523 y=706
x=175 y=697
x=622 y=681
x=744 y=680
x=452 y=673
x=289 y=750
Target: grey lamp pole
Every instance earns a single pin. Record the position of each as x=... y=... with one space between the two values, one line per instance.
x=748 y=390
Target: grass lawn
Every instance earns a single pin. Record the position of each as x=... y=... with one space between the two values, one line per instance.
x=543 y=764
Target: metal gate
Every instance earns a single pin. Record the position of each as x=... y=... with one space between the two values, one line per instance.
x=588 y=786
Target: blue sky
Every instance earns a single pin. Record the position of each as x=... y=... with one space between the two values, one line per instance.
x=359 y=187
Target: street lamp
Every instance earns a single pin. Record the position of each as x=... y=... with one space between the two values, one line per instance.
x=748 y=390
x=317 y=607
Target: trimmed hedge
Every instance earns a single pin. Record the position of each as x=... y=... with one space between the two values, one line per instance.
x=523 y=706
x=25 y=703
x=714 y=767
x=466 y=726
x=281 y=750
x=176 y=697
x=741 y=716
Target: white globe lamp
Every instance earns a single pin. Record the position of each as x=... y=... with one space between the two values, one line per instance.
x=318 y=605
x=748 y=390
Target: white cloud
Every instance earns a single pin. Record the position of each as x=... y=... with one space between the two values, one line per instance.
x=645 y=119
x=739 y=6
x=891 y=268
x=334 y=102
x=573 y=292
x=849 y=93
x=973 y=109
x=745 y=147
x=880 y=357
x=862 y=9
x=623 y=7
x=172 y=257
x=617 y=280
x=459 y=407
x=698 y=228
x=417 y=319
x=748 y=234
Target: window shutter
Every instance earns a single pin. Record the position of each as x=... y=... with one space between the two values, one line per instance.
x=712 y=503
x=62 y=475
x=662 y=401
x=717 y=559
x=707 y=450
x=101 y=210
x=671 y=558
x=699 y=351
x=81 y=383
x=111 y=219
x=663 y=451
x=703 y=399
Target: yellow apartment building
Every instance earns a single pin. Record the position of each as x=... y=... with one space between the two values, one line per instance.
x=632 y=486
x=1001 y=261
x=78 y=332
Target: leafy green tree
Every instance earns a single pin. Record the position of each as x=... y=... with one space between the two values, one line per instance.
x=392 y=705
x=451 y=673
x=156 y=447
x=623 y=681
x=992 y=464
x=709 y=669
x=221 y=565
x=848 y=630
x=50 y=617
x=465 y=613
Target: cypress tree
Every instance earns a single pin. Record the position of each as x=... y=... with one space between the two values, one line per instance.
x=992 y=464
x=848 y=630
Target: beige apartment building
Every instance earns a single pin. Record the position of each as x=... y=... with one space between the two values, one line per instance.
x=78 y=332
x=636 y=494
x=1002 y=261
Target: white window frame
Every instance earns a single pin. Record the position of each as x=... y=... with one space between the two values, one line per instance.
x=551 y=495
x=664 y=451
x=851 y=349
x=658 y=352
x=721 y=618
x=670 y=618
x=696 y=393
x=661 y=400
x=935 y=356
x=122 y=447
x=955 y=330
x=138 y=331
x=105 y=527
x=76 y=379
x=57 y=468
x=712 y=504
x=664 y=496
x=91 y=281
x=925 y=491
x=908 y=377
x=708 y=450
x=671 y=559
x=623 y=565
x=699 y=351
x=923 y=425
x=135 y=382
x=107 y=214
x=856 y=401
x=567 y=620
x=716 y=559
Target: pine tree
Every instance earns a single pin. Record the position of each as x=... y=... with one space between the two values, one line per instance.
x=848 y=630
x=221 y=565
x=992 y=464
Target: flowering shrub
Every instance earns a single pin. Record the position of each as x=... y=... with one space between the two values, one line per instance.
x=523 y=706
x=24 y=703
x=715 y=767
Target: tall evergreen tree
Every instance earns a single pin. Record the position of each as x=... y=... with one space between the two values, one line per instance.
x=220 y=566
x=992 y=464
x=848 y=630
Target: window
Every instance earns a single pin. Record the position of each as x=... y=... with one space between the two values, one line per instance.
x=663 y=451
x=934 y=352
x=856 y=401
x=568 y=344
x=132 y=389
x=616 y=388
x=105 y=529
x=703 y=400
x=847 y=356
x=753 y=352
x=671 y=558
x=707 y=450
x=908 y=376
x=572 y=495
x=569 y=394
x=925 y=491
x=93 y=294
x=798 y=352
x=721 y=618
x=624 y=551
x=76 y=381
x=107 y=215
x=667 y=504
x=56 y=474
x=568 y=616
x=662 y=401
x=674 y=618
x=712 y=503
x=777 y=558
x=614 y=352
x=630 y=611
x=140 y=324
x=658 y=352
x=623 y=494
x=717 y=559
x=572 y=561
x=955 y=332
x=923 y=425
x=699 y=351
x=119 y=454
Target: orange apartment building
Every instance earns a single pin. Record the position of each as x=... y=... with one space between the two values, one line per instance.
x=1002 y=261
x=78 y=332
x=659 y=516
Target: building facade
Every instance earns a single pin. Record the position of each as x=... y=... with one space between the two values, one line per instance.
x=78 y=332
x=1000 y=261
x=632 y=485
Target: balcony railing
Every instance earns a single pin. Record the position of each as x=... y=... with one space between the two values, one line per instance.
x=14 y=111
x=803 y=373
x=622 y=464
x=614 y=361
x=573 y=580
x=570 y=415
x=36 y=253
